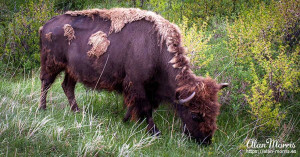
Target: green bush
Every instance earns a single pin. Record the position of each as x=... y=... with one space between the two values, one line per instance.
x=197 y=11
x=256 y=41
x=196 y=43
x=21 y=48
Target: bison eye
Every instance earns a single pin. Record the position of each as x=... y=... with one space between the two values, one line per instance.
x=197 y=117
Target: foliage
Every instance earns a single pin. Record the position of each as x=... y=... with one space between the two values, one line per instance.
x=21 y=40
x=196 y=43
x=65 y=5
x=256 y=41
x=262 y=104
x=197 y=11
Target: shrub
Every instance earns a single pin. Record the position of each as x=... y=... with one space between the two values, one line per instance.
x=263 y=107
x=196 y=43
x=22 y=39
x=256 y=41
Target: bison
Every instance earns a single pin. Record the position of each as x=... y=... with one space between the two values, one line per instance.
x=134 y=52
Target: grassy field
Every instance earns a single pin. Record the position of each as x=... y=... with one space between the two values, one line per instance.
x=99 y=130
x=253 y=45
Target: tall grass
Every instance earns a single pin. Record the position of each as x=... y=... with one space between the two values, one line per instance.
x=98 y=129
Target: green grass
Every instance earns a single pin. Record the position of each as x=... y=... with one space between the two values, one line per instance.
x=99 y=130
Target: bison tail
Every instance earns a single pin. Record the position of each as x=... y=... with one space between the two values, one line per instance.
x=40 y=34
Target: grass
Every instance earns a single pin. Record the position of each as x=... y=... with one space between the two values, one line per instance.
x=99 y=131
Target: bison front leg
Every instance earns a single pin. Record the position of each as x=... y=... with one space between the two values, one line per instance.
x=128 y=114
x=138 y=107
x=142 y=109
x=147 y=111
x=68 y=86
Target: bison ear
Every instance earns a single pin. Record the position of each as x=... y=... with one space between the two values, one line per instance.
x=223 y=85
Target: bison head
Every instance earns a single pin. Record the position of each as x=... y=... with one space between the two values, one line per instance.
x=199 y=109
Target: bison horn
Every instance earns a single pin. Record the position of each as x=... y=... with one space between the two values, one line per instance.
x=223 y=85
x=182 y=101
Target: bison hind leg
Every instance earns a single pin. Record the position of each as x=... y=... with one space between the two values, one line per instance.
x=68 y=86
x=46 y=79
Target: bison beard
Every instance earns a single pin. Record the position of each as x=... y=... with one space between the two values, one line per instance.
x=134 y=52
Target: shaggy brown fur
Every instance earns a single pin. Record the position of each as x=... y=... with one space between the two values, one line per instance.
x=144 y=60
x=206 y=89
x=99 y=44
x=205 y=102
x=48 y=36
x=121 y=16
x=69 y=32
x=40 y=30
x=169 y=32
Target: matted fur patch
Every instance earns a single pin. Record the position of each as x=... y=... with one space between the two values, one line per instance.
x=69 y=32
x=121 y=16
x=99 y=44
x=40 y=30
x=48 y=36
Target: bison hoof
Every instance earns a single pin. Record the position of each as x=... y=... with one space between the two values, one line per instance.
x=126 y=118
x=157 y=133
x=42 y=107
x=75 y=109
x=154 y=131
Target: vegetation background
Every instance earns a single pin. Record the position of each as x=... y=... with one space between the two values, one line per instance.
x=251 y=44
